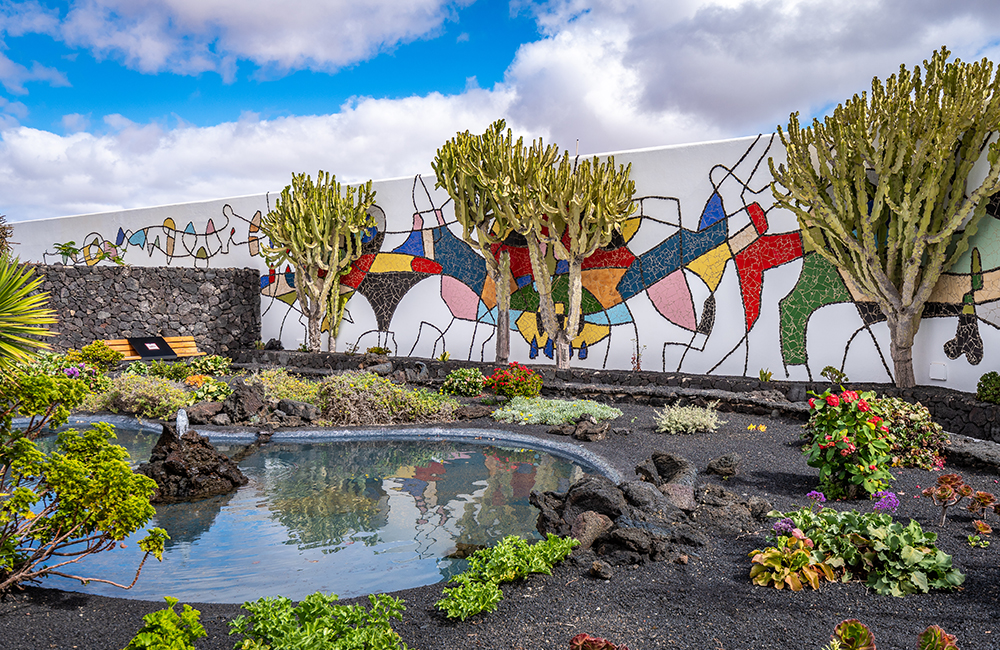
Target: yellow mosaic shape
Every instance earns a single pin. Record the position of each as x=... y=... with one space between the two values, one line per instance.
x=711 y=266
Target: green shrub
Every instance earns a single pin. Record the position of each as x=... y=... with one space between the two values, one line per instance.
x=212 y=364
x=537 y=410
x=363 y=398
x=178 y=371
x=137 y=368
x=279 y=384
x=688 y=419
x=510 y=559
x=149 y=397
x=792 y=562
x=274 y=624
x=99 y=355
x=848 y=444
x=515 y=381
x=887 y=556
x=988 y=388
x=81 y=498
x=165 y=630
x=379 y=350
x=915 y=439
x=467 y=382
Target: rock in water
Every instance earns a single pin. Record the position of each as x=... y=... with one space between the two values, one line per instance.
x=188 y=467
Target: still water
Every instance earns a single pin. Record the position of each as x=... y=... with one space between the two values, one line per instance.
x=351 y=518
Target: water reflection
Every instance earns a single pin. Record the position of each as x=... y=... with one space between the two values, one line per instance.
x=348 y=517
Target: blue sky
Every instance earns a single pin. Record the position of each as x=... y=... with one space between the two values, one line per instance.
x=107 y=104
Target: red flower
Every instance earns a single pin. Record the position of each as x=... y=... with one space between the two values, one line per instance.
x=875 y=419
x=812 y=402
x=844 y=452
x=863 y=406
x=849 y=396
x=832 y=400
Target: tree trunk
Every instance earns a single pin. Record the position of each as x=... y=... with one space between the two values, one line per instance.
x=502 y=286
x=902 y=330
x=563 y=348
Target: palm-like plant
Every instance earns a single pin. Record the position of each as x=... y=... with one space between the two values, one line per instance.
x=23 y=314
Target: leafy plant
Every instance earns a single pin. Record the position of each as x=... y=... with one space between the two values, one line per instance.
x=80 y=499
x=212 y=364
x=988 y=387
x=848 y=444
x=99 y=355
x=379 y=350
x=6 y=232
x=587 y=642
x=137 y=368
x=889 y=557
x=68 y=250
x=468 y=382
x=915 y=440
x=852 y=634
x=178 y=371
x=949 y=491
x=444 y=356
x=537 y=410
x=23 y=314
x=977 y=541
x=834 y=376
x=515 y=380
x=765 y=375
x=510 y=559
x=207 y=389
x=688 y=419
x=791 y=563
x=166 y=630
x=316 y=622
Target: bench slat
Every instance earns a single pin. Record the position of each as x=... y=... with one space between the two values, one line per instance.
x=183 y=346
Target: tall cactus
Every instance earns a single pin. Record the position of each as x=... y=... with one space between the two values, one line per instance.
x=569 y=210
x=319 y=229
x=485 y=176
x=882 y=191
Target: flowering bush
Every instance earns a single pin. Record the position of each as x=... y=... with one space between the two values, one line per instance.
x=848 y=444
x=515 y=380
x=464 y=381
x=207 y=389
x=915 y=440
x=887 y=502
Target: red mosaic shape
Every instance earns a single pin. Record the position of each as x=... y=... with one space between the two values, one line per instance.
x=620 y=258
x=766 y=253
x=758 y=217
x=424 y=265
x=358 y=271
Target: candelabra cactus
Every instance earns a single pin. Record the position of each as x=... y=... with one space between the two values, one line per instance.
x=319 y=229
x=484 y=175
x=881 y=189
x=570 y=210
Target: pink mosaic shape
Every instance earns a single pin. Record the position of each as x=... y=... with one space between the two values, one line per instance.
x=672 y=298
x=462 y=301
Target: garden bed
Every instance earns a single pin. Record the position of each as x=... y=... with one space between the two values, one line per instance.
x=708 y=603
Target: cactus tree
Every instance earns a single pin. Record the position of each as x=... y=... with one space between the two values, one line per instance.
x=881 y=189
x=319 y=229
x=570 y=209
x=482 y=175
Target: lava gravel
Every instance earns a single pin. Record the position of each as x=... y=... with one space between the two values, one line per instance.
x=707 y=604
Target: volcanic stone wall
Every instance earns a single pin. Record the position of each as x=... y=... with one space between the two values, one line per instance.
x=219 y=307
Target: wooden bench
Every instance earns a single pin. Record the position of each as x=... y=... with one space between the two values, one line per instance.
x=183 y=346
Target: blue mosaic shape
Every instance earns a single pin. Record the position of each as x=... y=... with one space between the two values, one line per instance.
x=189 y=229
x=458 y=260
x=369 y=234
x=597 y=318
x=651 y=267
x=533 y=350
x=696 y=244
x=619 y=314
x=713 y=213
x=485 y=315
x=414 y=245
x=265 y=281
x=120 y=237
x=137 y=239
x=290 y=278
x=549 y=348
x=583 y=351
x=562 y=266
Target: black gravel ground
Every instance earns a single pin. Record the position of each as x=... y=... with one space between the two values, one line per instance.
x=707 y=604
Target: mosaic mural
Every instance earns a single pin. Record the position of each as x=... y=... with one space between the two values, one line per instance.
x=708 y=276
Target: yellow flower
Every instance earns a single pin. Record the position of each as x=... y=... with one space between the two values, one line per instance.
x=762 y=427
x=752 y=427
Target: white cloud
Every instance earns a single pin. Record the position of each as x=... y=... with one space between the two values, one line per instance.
x=74 y=122
x=192 y=36
x=43 y=174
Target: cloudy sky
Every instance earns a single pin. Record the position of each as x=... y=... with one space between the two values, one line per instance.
x=127 y=103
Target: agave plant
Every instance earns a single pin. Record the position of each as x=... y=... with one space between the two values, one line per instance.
x=23 y=313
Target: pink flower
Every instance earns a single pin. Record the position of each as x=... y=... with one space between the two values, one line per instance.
x=844 y=452
x=849 y=396
x=863 y=406
x=832 y=400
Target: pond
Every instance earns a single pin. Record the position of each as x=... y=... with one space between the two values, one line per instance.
x=349 y=517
